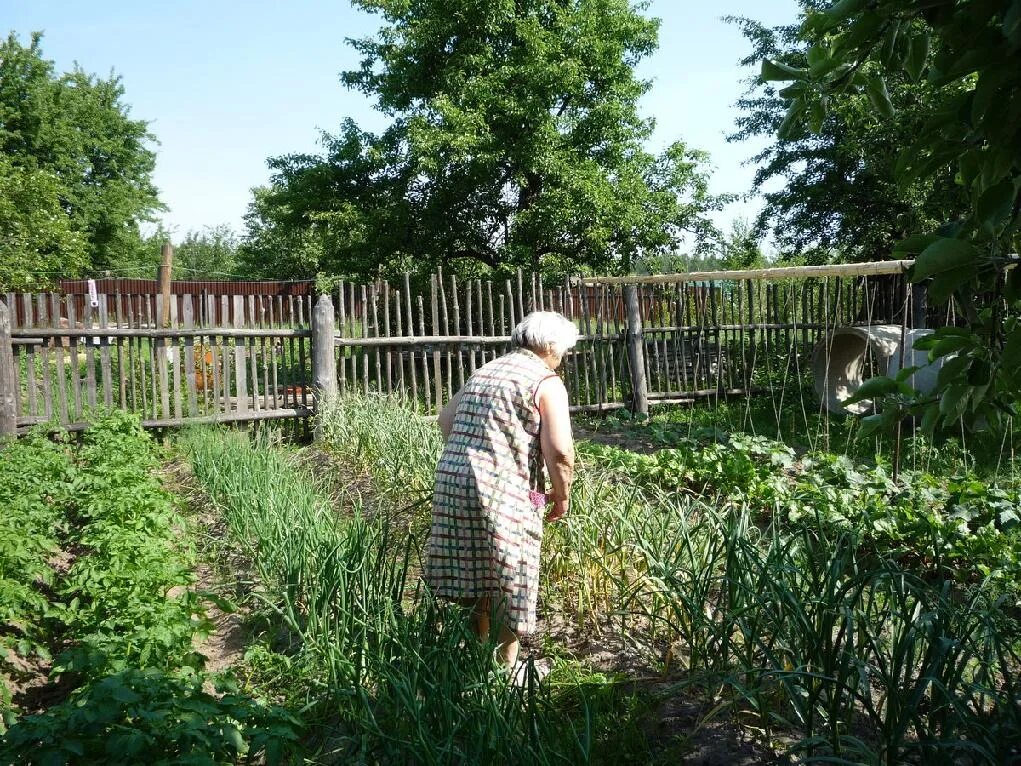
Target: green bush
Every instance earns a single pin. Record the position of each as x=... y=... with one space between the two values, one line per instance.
x=149 y=716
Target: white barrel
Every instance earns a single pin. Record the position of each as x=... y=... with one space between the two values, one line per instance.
x=839 y=363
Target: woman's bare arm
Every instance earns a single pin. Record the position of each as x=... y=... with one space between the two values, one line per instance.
x=557 y=442
x=446 y=418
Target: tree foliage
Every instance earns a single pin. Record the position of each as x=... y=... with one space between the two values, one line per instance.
x=37 y=241
x=840 y=197
x=207 y=254
x=69 y=138
x=968 y=52
x=515 y=141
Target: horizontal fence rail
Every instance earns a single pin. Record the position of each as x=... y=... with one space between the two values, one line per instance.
x=667 y=338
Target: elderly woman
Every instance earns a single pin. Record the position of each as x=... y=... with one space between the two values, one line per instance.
x=490 y=498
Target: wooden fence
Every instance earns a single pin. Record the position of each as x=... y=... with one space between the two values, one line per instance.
x=194 y=370
x=705 y=334
x=668 y=338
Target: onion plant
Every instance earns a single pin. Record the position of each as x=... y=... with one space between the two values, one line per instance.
x=855 y=655
x=390 y=674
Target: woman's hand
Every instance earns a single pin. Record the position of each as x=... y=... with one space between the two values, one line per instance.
x=557 y=509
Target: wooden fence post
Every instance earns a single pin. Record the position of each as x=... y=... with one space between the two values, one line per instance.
x=636 y=352
x=919 y=305
x=324 y=366
x=163 y=277
x=8 y=377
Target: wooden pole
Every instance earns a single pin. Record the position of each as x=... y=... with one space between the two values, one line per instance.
x=165 y=270
x=324 y=368
x=919 y=305
x=636 y=352
x=8 y=377
x=783 y=272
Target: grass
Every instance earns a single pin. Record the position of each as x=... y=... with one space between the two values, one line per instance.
x=796 y=625
x=858 y=656
x=382 y=672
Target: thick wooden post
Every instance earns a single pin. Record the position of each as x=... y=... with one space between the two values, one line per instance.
x=8 y=377
x=636 y=352
x=324 y=366
x=165 y=271
x=919 y=305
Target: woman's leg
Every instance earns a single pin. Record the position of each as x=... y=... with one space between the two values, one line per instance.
x=507 y=644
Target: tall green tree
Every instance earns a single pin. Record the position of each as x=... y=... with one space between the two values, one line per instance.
x=969 y=53
x=741 y=248
x=75 y=128
x=839 y=195
x=37 y=242
x=515 y=141
x=207 y=254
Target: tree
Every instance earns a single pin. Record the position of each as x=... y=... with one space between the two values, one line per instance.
x=207 y=254
x=840 y=198
x=75 y=129
x=37 y=241
x=515 y=141
x=741 y=249
x=975 y=129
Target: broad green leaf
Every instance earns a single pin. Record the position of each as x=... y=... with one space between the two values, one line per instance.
x=870 y=424
x=123 y=694
x=879 y=96
x=954 y=402
x=816 y=116
x=944 y=346
x=929 y=420
x=918 y=52
x=817 y=55
x=914 y=245
x=953 y=371
x=926 y=156
x=1012 y=22
x=988 y=97
x=862 y=33
x=792 y=120
x=844 y=9
x=1012 y=289
x=997 y=164
x=996 y=203
x=942 y=286
x=943 y=255
x=889 y=52
x=904 y=373
x=1011 y=358
x=772 y=70
x=820 y=62
x=978 y=374
x=874 y=388
x=793 y=91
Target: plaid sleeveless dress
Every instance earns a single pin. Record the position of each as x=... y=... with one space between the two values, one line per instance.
x=486 y=532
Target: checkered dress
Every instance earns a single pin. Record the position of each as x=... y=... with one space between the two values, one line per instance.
x=486 y=532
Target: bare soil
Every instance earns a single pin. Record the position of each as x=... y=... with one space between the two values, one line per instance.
x=687 y=724
x=630 y=440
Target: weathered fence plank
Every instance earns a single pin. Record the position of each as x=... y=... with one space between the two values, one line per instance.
x=9 y=382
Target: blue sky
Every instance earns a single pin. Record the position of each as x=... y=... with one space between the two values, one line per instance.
x=226 y=85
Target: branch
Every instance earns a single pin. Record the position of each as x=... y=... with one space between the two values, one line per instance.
x=489 y=259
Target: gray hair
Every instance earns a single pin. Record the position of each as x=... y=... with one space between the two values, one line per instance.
x=544 y=332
